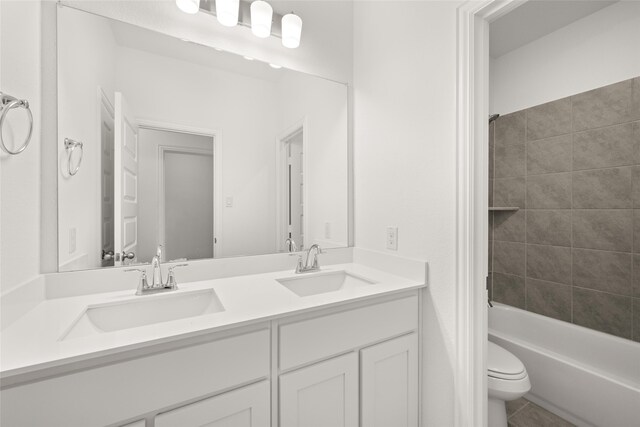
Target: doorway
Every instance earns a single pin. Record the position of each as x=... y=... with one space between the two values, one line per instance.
x=179 y=178
x=291 y=170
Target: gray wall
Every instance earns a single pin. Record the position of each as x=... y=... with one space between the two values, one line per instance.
x=572 y=251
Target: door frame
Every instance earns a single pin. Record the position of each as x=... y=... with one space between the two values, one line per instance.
x=473 y=19
x=216 y=136
x=301 y=125
x=103 y=100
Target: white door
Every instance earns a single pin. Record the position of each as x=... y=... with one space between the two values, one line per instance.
x=246 y=407
x=107 y=180
x=321 y=395
x=126 y=182
x=390 y=383
x=296 y=190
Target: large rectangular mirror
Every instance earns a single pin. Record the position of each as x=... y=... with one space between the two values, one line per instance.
x=209 y=154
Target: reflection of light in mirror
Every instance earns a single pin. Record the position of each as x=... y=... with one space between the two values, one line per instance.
x=188 y=6
x=261 y=16
x=248 y=58
x=227 y=12
x=275 y=66
x=291 y=30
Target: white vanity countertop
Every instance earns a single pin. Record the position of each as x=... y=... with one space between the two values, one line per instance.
x=33 y=343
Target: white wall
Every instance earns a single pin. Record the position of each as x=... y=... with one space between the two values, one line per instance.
x=20 y=175
x=405 y=170
x=323 y=104
x=592 y=52
x=85 y=63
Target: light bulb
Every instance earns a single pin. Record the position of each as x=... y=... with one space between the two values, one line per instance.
x=291 y=30
x=261 y=17
x=188 y=6
x=227 y=12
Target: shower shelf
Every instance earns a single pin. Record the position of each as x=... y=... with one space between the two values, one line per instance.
x=503 y=208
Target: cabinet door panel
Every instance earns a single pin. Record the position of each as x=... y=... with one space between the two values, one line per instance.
x=390 y=383
x=245 y=407
x=321 y=395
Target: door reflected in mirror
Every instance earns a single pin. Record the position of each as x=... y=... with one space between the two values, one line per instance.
x=197 y=150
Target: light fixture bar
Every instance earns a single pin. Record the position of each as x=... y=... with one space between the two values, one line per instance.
x=244 y=18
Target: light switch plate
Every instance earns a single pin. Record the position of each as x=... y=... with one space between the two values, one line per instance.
x=228 y=201
x=392 y=238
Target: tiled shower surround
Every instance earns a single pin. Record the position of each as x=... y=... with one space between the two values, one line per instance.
x=572 y=250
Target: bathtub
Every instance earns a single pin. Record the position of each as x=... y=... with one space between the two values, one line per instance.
x=587 y=377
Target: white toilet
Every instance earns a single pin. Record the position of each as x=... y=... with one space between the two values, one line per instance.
x=507 y=379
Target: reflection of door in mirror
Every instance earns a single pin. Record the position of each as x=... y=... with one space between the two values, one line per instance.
x=106 y=182
x=126 y=183
x=295 y=186
x=176 y=187
x=188 y=204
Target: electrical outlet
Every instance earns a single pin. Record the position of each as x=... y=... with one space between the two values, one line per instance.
x=392 y=238
x=72 y=240
x=327 y=230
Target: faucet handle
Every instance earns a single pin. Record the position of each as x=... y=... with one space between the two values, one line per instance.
x=171 y=279
x=143 y=284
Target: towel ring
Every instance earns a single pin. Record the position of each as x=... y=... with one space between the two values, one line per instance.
x=71 y=145
x=9 y=103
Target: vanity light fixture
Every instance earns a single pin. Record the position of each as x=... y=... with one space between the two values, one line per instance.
x=261 y=17
x=291 y=30
x=258 y=15
x=188 y=6
x=227 y=12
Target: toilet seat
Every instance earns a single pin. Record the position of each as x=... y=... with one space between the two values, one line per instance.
x=503 y=365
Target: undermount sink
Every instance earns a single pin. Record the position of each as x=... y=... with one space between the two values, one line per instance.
x=323 y=282
x=141 y=311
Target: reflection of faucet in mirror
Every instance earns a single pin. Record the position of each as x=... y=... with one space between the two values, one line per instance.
x=317 y=250
x=291 y=245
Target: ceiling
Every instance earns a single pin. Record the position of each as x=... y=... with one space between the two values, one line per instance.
x=535 y=19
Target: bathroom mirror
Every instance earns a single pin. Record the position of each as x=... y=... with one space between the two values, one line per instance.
x=207 y=153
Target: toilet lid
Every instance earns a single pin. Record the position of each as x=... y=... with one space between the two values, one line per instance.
x=502 y=364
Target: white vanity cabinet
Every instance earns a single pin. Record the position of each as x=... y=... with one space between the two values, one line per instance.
x=355 y=364
x=323 y=394
x=389 y=383
x=248 y=406
x=375 y=377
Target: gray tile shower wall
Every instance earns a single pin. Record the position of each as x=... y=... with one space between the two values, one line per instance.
x=572 y=251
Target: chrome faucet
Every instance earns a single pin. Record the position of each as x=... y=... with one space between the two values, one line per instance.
x=156 y=275
x=157 y=284
x=291 y=245
x=300 y=268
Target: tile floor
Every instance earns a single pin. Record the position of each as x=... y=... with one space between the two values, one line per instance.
x=522 y=413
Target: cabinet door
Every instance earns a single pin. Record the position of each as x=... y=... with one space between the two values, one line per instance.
x=390 y=383
x=321 y=395
x=245 y=407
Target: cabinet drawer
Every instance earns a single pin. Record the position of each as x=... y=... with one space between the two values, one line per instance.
x=245 y=407
x=313 y=339
x=139 y=386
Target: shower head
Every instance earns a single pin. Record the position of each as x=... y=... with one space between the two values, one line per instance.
x=493 y=117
